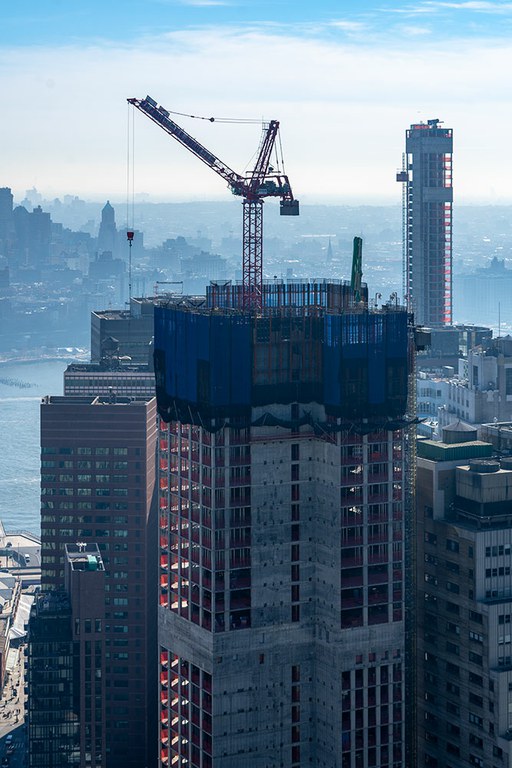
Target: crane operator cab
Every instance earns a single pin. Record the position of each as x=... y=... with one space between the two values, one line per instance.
x=289 y=208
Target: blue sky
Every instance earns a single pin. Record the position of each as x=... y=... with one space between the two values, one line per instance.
x=344 y=78
x=52 y=21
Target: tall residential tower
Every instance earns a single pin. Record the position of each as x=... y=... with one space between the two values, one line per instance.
x=427 y=217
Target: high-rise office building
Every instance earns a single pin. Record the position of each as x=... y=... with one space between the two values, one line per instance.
x=97 y=485
x=66 y=667
x=283 y=491
x=124 y=333
x=427 y=222
x=53 y=723
x=464 y=695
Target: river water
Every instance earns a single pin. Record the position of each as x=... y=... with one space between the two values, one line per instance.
x=19 y=438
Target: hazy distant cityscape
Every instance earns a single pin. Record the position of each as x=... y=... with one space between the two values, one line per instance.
x=56 y=265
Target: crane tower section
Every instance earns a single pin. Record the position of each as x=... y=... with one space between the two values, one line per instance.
x=263 y=181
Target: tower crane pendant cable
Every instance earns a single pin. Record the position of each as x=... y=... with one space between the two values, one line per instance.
x=130 y=193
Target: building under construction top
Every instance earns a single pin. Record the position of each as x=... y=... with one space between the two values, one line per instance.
x=427 y=218
x=310 y=343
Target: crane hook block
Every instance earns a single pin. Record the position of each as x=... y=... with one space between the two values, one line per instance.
x=289 y=208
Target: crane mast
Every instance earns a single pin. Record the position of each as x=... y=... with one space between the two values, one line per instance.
x=260 y=183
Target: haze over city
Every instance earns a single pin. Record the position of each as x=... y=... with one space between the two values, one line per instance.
x=344 y=79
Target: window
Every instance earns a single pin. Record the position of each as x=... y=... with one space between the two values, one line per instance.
x=452 y=546
x=476 y=679
x=453 y=669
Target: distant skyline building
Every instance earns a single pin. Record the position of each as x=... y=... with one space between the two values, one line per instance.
x=107 y=234
x=484 y=295
x=427 y=222
x=283 y=505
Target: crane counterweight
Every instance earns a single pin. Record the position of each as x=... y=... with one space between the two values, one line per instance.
x=260 y=183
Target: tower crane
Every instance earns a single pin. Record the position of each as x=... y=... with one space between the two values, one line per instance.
x=263 y=181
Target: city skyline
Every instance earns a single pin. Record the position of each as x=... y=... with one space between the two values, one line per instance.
x=343 y=81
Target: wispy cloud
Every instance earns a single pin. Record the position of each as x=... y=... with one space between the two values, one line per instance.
x=485 y=6
x=205 y=3
x=414 y=30
x=433 y=6
x=348 y=26
x=409 y=10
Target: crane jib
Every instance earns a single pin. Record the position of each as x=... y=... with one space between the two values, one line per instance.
x=161 y=116
x=262 y=182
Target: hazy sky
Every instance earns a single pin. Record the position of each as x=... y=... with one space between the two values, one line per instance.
x=344 y=78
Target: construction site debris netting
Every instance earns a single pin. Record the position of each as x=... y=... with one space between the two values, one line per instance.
x=220 y=363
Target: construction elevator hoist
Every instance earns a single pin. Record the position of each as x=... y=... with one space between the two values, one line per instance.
x=263 y=181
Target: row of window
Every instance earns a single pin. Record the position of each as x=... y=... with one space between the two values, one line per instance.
x=67 y=451
x=49 y=464
x=84 y=492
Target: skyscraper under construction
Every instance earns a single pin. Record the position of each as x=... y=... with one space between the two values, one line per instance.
x=285 y=467
x=427 y=220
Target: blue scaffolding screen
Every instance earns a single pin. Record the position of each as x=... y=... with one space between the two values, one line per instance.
x=219 y=363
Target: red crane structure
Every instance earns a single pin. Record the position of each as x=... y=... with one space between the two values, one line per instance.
x=253 y=187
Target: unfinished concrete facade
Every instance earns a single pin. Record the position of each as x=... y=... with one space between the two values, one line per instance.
x=282 y=498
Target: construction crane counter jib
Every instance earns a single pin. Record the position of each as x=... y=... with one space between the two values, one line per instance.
x=253 y=187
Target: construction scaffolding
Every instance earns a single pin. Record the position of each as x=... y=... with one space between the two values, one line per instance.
x=213 y=363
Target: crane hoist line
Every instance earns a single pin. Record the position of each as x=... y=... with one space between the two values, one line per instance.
x=263 y=181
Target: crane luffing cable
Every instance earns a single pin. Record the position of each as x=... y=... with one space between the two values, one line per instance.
x=263 y=181
x=250 y=120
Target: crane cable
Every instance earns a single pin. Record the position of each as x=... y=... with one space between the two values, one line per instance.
x=280 y=153
x=130 y=193
x=217 y=119
x=130 y=170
